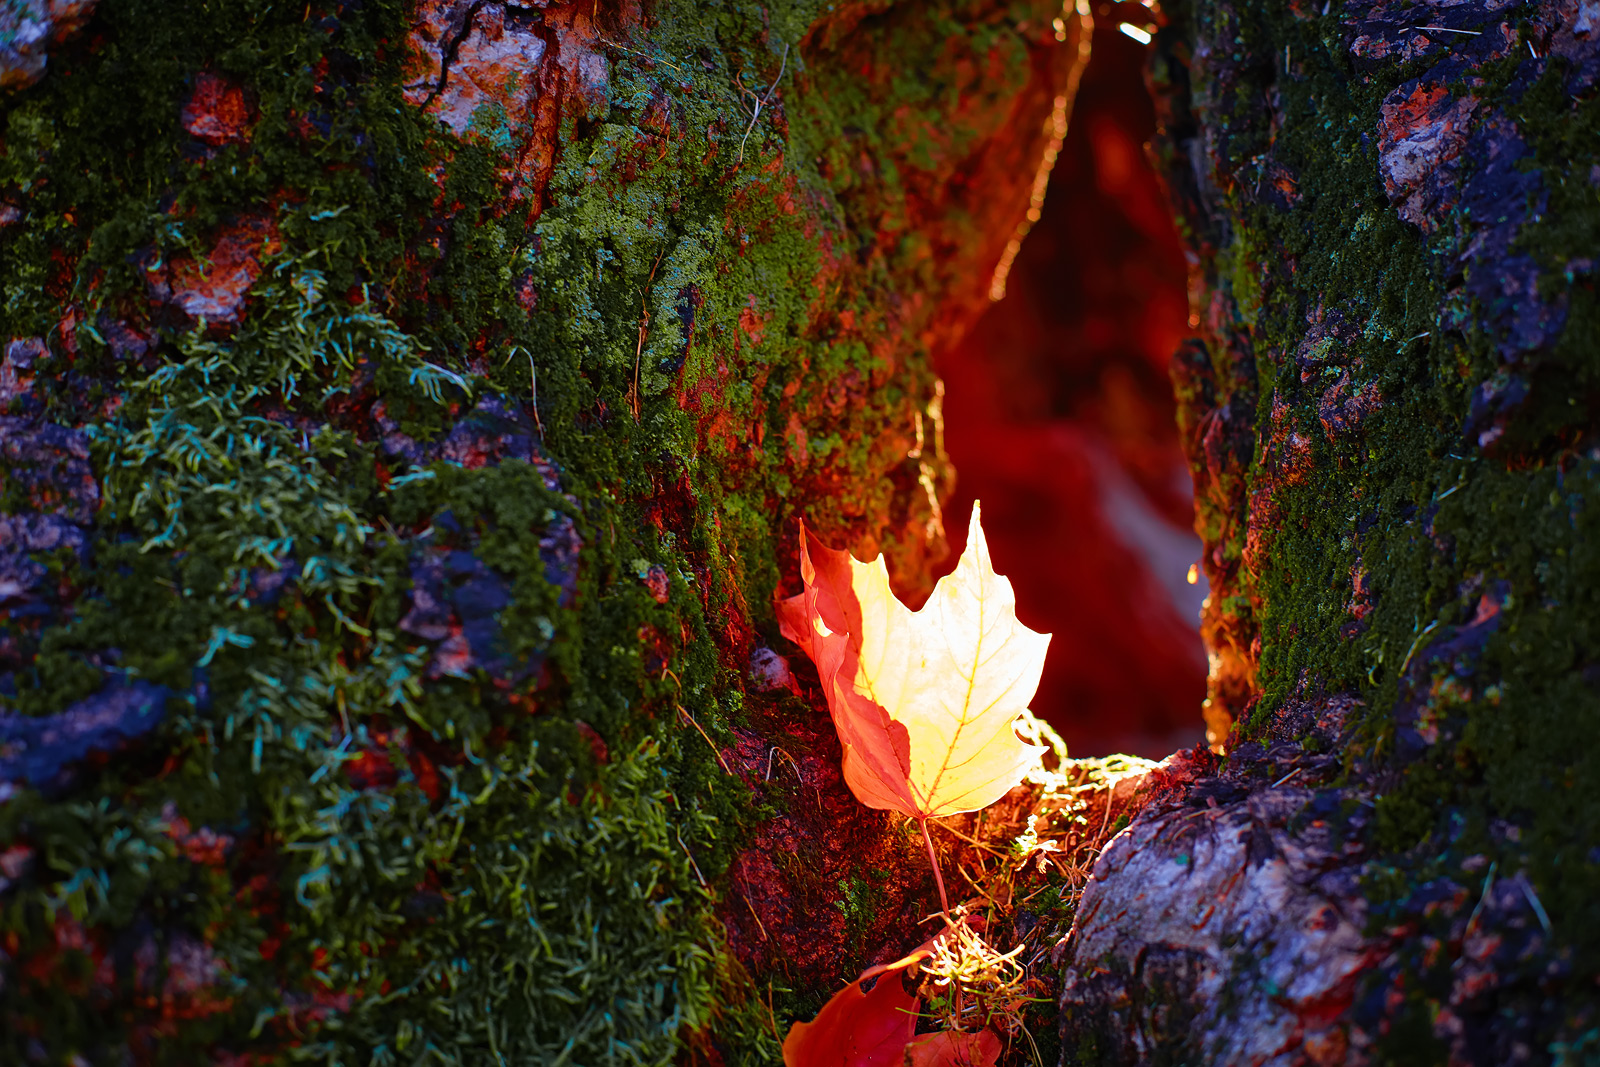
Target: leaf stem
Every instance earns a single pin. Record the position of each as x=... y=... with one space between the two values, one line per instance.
x=933 y=859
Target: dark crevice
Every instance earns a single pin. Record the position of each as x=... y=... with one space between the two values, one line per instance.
x=448 y=55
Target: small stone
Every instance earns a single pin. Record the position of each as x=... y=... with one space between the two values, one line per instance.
x=770 y=671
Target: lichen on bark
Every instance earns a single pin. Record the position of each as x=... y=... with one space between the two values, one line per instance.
x=407 y=407
x=1389 y=410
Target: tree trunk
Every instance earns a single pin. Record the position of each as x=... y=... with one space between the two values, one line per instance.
x=407 y=412
x=1391 y=415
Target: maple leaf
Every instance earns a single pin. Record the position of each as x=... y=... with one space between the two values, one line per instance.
x=856 y=1028
x=951 y=1048
x=923 y=701
x=877 y=1027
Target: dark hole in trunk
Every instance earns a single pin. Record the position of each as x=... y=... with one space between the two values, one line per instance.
x=1060 y=419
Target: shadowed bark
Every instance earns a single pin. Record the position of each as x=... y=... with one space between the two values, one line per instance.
x=407 y=409
x=1390 y=415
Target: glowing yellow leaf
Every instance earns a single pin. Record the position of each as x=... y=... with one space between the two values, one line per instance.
x=924 y=701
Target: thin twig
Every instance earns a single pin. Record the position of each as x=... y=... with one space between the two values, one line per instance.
x=762 y=102
x=759 y=924
x=644 y=329
x=1035 y=893
x=447 y=54
x=705 y=735
x=974 y=883
x=772 y=1014
x=642 y=55
x=968 y=840
x=1038 y=1060
x=1412 y=651
x=1533 y=901
x=692 y=863
x=1285 y=778
x=1488 y=880
x=533 y=380
x=795 y=766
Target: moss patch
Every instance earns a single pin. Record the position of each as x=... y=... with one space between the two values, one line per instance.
x=1420 y=498
x=439 y=501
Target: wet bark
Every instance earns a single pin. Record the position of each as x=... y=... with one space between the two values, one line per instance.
x=1390 y=411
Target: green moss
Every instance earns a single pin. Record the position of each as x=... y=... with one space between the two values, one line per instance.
x=1441 y=532
x=1240 y=265
x=529 y=877
x=858 y=902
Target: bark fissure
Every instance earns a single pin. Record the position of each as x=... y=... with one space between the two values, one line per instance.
x=1388 y=413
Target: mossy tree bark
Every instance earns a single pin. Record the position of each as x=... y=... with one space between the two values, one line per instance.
x=1391 y=415
x=407 y=408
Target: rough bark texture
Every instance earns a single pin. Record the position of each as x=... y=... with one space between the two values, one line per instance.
x=406 y=412
x=1391 y=416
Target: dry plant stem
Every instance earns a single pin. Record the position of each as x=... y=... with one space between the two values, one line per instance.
x=533 y=383
x=773 y=1016
x=695 y=722
x=933 y=859
x=644 y=331
x=762 y=101
x=969 y=840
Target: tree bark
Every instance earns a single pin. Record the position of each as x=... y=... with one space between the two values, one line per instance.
x=407 y=412
x=1390 y=410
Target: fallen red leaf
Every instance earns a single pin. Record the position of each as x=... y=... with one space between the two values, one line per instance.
x=952 y=1049
x=856 y=1029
